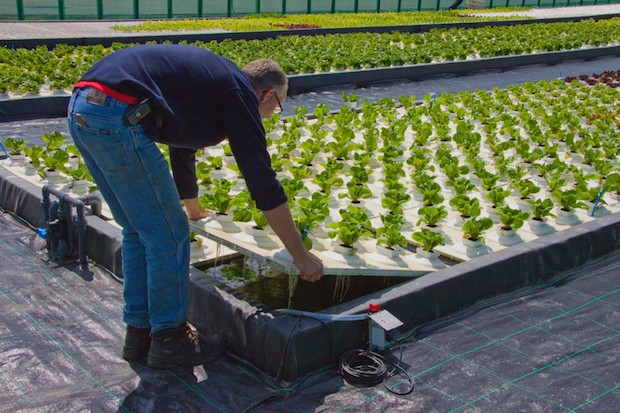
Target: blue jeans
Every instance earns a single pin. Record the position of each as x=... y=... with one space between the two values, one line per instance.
x=135 y=181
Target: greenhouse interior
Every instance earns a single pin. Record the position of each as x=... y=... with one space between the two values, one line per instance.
x=454 y=166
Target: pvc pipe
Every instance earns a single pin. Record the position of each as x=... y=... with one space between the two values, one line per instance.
x=80 y=221
x=597 y=201
x=324 y=317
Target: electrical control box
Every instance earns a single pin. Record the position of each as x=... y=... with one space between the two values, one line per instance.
x=382 y=325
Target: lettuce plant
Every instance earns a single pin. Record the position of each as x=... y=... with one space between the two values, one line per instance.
x=452 y=170
x=488 y=179
x=215 y=162
x=278 y=163
x=259 y=218
x=526 y=188
x=389 y=234
x=292 y=187
x=359 y=175
x=356 y=192
x=312 y=211
x=474 y=228
x=461 y=186
x=431 y=215
x=393 y=202
x=570 y=199
x=511 y=218
x=352 y=227
x=392 y=183
x=541 y=208
x=54 y=141
x=468 y=207
x=300 y=172
x=56 y=161
x=429 y=239
x=17 y=145
x=79 y=172
x=350 y=97
x=327 y=181
x=34 y=153
x=270 y=123
x=332 y=166
x=431 y=194
x=220 y=199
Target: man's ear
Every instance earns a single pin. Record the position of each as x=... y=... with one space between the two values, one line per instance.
x=263 y=95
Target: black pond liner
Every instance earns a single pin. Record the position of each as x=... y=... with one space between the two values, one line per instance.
x=56 y=106
x=127 y=37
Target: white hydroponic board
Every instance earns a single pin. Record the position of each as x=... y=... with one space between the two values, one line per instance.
x=365 y=262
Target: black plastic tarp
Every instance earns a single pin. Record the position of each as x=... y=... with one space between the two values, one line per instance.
x=553 y=349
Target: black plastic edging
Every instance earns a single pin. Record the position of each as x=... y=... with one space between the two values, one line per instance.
x=289 y=347
x=270 y=34
x=56 y=106
x=35 y=107
x=103 y=240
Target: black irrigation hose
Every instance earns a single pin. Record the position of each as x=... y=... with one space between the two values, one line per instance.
x=367 y=368
x=21 y=220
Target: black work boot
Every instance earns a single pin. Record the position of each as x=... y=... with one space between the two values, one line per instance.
x=137 y=343
x=182 y=345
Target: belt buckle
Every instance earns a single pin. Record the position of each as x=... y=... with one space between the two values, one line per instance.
x=96 y=97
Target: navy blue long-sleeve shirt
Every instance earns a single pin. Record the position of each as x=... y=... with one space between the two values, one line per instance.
x=203 y=99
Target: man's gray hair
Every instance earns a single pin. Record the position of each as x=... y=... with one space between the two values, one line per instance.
x=266 y=74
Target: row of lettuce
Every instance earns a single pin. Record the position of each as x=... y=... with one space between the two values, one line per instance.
x=276 y=21
x=24 y=70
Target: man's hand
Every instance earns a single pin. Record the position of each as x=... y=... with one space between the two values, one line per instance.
x=281 y=221
x=194 y=213
x=310 y=266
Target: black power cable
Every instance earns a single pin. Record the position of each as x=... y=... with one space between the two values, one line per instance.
x=367 y=368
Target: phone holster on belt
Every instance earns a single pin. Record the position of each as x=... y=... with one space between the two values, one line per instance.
x=138 y=112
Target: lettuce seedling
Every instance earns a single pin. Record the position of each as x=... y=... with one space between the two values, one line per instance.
x=511 y=218
x=18 y=145
x=393 y=202
x=570 y=199
x=429 y=239
x=356 y=192
x=541 y=208
x=474 y=228
x=54 y=141
x=389 y=233
x=431 y=215
x=497 y=196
